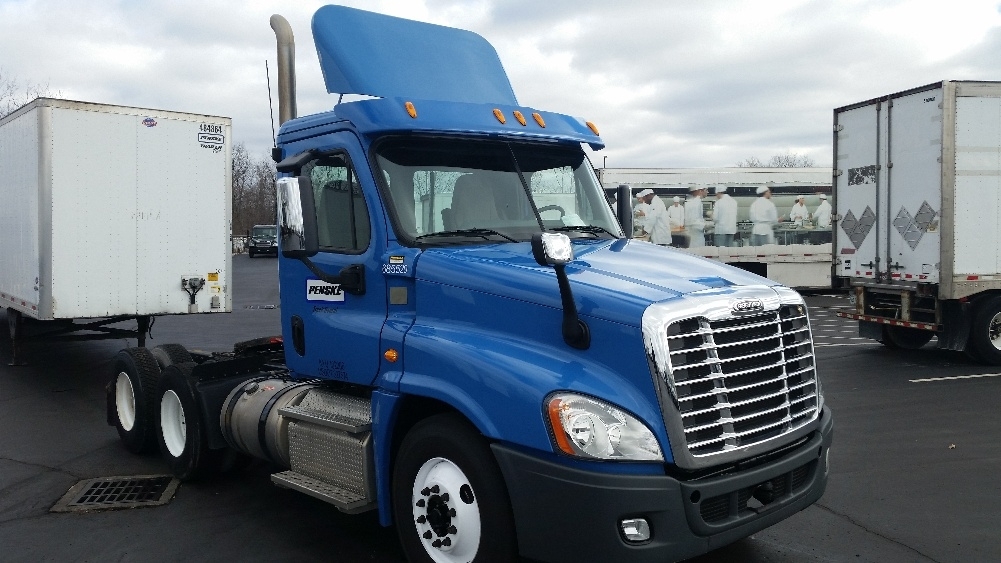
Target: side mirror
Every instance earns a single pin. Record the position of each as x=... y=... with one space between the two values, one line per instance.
x=296 y=219
x=624 y=200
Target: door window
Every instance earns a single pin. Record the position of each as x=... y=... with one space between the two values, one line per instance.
x=342 y=221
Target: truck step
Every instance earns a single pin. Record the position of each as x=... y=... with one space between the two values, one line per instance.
x=340 y=421
x=346 y=501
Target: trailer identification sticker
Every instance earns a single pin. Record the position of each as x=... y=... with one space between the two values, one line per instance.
x=318 y=290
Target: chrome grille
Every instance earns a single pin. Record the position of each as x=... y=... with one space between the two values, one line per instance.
x=742 y=380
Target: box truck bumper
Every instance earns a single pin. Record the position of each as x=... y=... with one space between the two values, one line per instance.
x=568 y=514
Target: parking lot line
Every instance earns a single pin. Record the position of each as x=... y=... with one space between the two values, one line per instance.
x=975 y=376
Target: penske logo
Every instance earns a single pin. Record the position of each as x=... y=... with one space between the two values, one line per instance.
x=317 y=290
x=747 y=306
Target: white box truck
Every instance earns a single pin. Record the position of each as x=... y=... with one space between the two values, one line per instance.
x=918 y=237
x=112 y=213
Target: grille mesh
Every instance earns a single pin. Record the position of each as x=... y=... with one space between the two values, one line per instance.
x=742 y=380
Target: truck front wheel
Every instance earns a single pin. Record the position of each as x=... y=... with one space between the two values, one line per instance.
x=450 y=504
x=985 y=332
x=132 y=398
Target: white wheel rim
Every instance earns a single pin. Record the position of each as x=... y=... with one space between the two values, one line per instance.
x=994 y=331
x=446 y=512
x=172 y=425
x=125 y=402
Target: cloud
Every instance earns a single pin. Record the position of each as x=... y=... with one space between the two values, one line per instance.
x=669 y=83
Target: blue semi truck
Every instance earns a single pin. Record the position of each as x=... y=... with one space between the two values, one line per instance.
x=472 y=345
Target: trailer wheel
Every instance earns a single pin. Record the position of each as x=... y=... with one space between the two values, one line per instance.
x=132 y=399
x=450 y=503
x=905 y=338
x=183 y=440
x=170 y=354
x=985 y=332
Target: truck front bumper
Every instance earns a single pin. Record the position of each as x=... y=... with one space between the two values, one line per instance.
x=567 y=514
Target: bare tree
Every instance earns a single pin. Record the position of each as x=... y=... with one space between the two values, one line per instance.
x=788 y=160
x=253 y=190
x=14 y=95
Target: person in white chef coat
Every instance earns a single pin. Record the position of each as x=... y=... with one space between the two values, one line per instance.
x=724 y=218
x=764 y=216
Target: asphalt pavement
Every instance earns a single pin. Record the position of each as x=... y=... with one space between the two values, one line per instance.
x=914 y=464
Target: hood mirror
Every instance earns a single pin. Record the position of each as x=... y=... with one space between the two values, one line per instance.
x=554 y=249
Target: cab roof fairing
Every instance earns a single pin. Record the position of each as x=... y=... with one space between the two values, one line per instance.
x=379 y=116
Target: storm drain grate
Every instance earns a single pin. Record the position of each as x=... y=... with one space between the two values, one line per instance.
x=110 y=493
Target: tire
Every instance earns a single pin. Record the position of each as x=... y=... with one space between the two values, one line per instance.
x=985 y=331
x=132 y=399
x=170 y=354
x=905 y=338
x=183 y=434
x=450 y=503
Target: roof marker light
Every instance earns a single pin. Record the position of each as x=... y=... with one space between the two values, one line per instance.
x=500 y=116
x=592 y=128
x=411 y=109
x=520 y=117
x=539 y=120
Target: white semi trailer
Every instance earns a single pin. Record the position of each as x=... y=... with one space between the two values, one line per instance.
x=918 y=237
x=111 y=213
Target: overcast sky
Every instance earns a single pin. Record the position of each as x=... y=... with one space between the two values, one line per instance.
x=669 y=83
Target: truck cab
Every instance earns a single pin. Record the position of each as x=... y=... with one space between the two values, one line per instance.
x=474 y=348
x=262 y=239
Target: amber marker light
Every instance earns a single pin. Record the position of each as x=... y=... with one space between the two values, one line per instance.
x=592 y=128
x=538 y=119
x=555 y=406
x=391 y=355
x=520 y=117
x=500 y=116
x=411 y=110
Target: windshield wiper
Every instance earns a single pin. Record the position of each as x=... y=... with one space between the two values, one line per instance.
x=593 y=229
x=467 y=233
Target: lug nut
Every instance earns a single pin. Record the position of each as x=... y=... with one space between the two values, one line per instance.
x=452 y=530
x=435 y=489
x=422 y=519
x=446 y=542
x=427 y=535
x=436 y=543
x=421 y=503
x=444 y=497
x=426 y=491
x=451 y=512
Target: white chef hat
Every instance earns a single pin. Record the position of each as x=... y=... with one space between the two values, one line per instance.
x=645 y=193
x=721 y=189
x=762 y=189
x=800 y=196
x=677 y=199
x=693 y=188
x=823 y=196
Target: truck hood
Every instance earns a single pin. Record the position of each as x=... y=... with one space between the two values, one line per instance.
x=612 y=280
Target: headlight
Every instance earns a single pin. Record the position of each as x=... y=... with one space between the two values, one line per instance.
x=592 y=429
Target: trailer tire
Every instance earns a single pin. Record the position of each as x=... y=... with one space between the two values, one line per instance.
x=170 y=354
x=132 y=399
x=182 y=436
x=985 y=331
x=905 y=338
x=450 y=503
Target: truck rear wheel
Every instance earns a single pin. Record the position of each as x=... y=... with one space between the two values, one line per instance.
x=905 y=338
x=182 y=436
x=170 y=354
x=132 y=399
x=450 y=504
x=985 y=332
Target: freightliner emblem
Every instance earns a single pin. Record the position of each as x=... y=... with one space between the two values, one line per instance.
x=747 y=306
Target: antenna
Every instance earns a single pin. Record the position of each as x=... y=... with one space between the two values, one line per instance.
x=271 y=108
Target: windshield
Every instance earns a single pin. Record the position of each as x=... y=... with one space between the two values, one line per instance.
x=448 y=191
x=269 y=231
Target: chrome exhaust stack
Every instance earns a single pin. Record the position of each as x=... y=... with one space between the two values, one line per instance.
x=286 y=68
